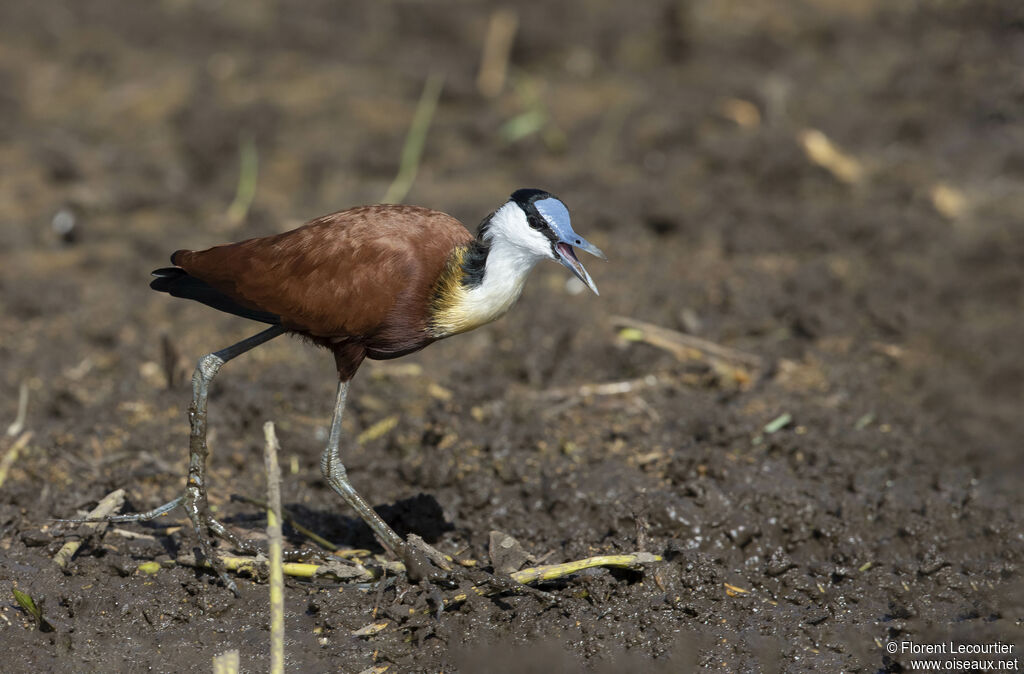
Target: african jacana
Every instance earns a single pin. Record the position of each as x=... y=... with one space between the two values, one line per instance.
x=369 y=282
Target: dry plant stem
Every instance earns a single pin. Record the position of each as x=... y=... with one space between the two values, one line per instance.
x=12 y=455
x=111 y=503
x=274 y=537
x=679 y=343
x=608 y=388
x=132 y=535
x=257 y=568
x=823 y=152
x=547 y=572
x=553 y=571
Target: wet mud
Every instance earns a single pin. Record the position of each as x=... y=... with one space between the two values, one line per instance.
x=829 y=192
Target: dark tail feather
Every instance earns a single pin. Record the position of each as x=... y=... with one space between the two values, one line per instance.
x=178 y=283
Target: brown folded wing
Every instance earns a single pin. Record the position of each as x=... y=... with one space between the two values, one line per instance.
x=364 y=273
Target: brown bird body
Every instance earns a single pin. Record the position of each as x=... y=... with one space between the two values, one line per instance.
x=359 y=282
x=369 y=282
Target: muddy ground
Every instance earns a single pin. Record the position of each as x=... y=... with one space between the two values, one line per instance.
x=832 y=187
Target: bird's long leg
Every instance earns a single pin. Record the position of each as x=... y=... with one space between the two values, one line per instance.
x=195 y=501
x=334 y=472
x=194 y=498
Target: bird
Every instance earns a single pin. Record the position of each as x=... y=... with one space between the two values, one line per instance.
x=379 y=282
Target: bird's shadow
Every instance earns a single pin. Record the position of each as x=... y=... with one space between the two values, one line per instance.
x=420 y=514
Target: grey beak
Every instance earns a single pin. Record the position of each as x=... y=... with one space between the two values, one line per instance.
x=566 y=255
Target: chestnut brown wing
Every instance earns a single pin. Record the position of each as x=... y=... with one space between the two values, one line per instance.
x=341 y=275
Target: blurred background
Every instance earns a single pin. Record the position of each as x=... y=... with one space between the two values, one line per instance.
x=812 y=308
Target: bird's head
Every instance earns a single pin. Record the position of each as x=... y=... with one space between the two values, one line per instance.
x=537 y=223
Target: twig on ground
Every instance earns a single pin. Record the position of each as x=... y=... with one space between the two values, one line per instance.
x=257 y=567
x=19 y=421
x=682 y=345
x=573 y=395
x=553 y=571
x=132 y=535
x=12 y=455
x=826 y=154
x=275 y=541
x=415 y=139
x=608 y=388
x=369 y=630
x=110 y=504
x=778 y=423
x=737 y=366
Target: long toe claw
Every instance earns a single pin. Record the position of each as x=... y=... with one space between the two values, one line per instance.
x=214 y=560
x=200 y=520
x=229 y=583
x=239 y=544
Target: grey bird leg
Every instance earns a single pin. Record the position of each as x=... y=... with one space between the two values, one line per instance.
x=195 y=490
x=416 y=564
x=194 y=499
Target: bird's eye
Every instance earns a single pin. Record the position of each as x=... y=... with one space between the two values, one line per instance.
x=578 y=242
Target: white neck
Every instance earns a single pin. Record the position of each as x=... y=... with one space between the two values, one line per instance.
x=505 y=274
x=508 y=264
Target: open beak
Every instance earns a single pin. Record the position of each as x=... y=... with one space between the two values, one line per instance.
x=567 y=256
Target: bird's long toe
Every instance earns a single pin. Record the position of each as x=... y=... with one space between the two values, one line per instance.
x=203 y=521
